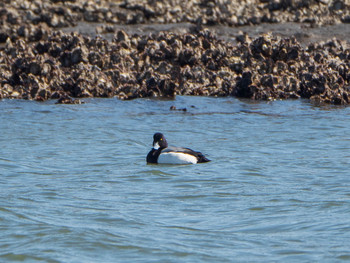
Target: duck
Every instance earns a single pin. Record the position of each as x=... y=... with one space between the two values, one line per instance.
x=162 y=154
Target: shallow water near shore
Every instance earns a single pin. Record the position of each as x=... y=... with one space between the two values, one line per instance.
x=74 y=185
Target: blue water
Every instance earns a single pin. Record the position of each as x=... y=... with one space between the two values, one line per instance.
x=74 y=185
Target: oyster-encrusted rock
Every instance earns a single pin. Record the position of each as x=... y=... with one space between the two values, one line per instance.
x=169 y=64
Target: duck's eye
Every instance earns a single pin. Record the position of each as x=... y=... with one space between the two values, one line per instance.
x=161 y=139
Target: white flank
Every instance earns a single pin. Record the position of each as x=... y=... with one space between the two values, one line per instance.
x=176 y=158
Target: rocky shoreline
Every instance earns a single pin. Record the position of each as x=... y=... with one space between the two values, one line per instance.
x=40 y=62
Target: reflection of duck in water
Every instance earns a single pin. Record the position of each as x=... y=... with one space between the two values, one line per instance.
x=161 y=153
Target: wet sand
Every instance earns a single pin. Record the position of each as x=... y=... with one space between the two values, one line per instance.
x=304 y=33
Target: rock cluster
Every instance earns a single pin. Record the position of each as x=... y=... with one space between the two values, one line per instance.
x=33 y=20
x=245 y=12
x=166 y=64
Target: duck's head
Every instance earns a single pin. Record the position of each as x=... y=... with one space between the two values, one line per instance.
x=159 y=141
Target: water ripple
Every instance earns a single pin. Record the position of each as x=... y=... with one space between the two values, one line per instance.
x=75 y=187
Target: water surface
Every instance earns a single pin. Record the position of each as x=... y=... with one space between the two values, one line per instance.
x=74 y=185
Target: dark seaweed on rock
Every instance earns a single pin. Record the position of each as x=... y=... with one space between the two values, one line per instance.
x=167 y=64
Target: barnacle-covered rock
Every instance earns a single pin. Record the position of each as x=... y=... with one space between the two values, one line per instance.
x=166 y=64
